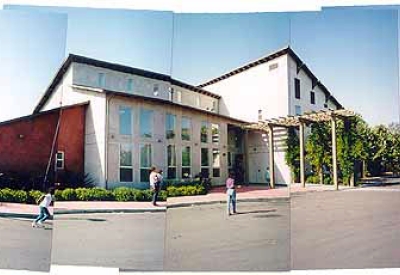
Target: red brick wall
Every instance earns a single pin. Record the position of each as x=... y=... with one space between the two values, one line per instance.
x=25 y=144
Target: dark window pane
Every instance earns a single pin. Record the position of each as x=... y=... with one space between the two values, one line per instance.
x=186 y=127
x=312 y=94
x=216 y=173
x=297 y=88
x=146 y=123
x=125 y=175
x=144 y=175
x=185 y=173
x=125 y=121
x=215 y=133
x=170 y=126
x=186 y=156
x=204 y=157
x=205 y=172
x=171 y=173
x=171 y=156
x=203 y=132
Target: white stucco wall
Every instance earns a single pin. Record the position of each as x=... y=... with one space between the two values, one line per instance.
x=257 y=88
x=94 y=163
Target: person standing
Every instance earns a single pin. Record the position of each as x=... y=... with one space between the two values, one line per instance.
x=155 y=182
x=44 y=203
x=231 y=194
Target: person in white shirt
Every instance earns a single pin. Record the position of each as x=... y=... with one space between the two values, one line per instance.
x=44 y=202
x=155 y=183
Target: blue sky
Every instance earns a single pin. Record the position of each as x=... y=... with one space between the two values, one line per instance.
x=32 y=49
x=353 y=51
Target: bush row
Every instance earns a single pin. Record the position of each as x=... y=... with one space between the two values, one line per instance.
x=101 y=194
x=188 y=190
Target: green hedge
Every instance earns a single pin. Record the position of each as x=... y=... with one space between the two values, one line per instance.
x=101 y=194
x=189 y=190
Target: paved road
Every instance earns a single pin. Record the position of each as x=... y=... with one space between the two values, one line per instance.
x=126 y=241
x=346 y=229
x=24 y=247
x=203 y=238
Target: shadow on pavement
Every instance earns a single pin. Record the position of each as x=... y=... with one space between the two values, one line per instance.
x=82 y=219
x=256 y=211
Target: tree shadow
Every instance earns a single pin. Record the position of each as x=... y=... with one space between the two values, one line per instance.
x=83 y=219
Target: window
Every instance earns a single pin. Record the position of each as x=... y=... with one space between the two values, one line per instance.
x=229 y=159
x=146 y=123
x=60 y=161
x=179 y=96
x=273 y=66
x=312 y=97
x=101 y=80
x=260 y=115
x=186 y=128
x=204 y=132
x=171 y=94
x=155 y=89
x=186 y=162
x=297 y=110
x=297 y=88
x=170 y=124
x=145 y=162
x=197 y=100
x=125 y=120
x=129 y=85
x=125 y=163
x=215 y=133
x=204 y=162
x=215 y=106
x=171 y=162
x=216 y=163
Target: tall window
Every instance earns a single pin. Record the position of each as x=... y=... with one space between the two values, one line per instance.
x=171 y=94
x=205 y=170
x=186 y=162
x=186 y=128
x=125 y=120
x=145 y=162
x=297 y=110
x=129 y=85
x=146 y=123
x=197 y=100
x=297 y=88
x=204 y=132
x=101 y=80
x=60 y=160
x=179 y=96
x=125 y=163
x=170 y=124
x=155 y=89
x=215 y=106
x=215 y=133
x=171 y=162
x=216 y=163
x=312 y=97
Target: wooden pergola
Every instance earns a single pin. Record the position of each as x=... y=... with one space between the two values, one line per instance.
x=300 y=122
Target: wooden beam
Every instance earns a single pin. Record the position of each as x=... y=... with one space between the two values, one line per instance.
x=334 y=154
x=271 y=156
x=302 y=158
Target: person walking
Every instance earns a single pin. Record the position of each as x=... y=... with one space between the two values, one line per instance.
x=231 y=194
x=44 y=203
x=155 y=182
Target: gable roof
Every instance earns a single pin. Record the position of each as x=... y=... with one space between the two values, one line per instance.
x=287 y=50
x=115 y=67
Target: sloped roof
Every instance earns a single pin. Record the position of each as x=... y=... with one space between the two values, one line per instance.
x=112 y=66
x=287 y=50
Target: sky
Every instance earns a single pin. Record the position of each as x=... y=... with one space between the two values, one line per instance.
x=32 y=48
x=353 y=51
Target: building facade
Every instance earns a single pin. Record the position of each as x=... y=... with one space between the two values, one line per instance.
x=136 y=119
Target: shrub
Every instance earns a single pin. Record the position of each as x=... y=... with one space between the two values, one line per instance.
x=190 y=190
x=163 y=195
x=33 y=196
x=9 y=195
x=328 y=180
x=124 y=194
x=68 y=194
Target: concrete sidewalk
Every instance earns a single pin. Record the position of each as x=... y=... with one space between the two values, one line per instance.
x=83 y=207
x=20 y=210
x=243 y=193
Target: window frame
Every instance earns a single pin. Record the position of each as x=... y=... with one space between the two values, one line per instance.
x=297 y=90
x=151 y=122
x=312 y=97
x=101 y=80
x=206 y=124
x=125 y=166
x=170 y=166
x=190 y=162
x=62 y=159
x=142 y=167
x=189 y=120
x=123 y=107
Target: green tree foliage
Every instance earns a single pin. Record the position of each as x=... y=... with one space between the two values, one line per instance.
x=292 y=155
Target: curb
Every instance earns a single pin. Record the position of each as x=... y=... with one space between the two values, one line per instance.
x=187 y=204
x=108 y=211
x=21 y=216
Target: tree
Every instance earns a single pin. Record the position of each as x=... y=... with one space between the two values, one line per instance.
x=292 y=154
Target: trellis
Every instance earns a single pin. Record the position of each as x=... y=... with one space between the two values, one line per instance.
x=301 y=121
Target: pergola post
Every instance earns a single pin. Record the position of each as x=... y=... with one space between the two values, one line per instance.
x=271 y=155
x=334 y=153
x=302 y=160
x=246 y=158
